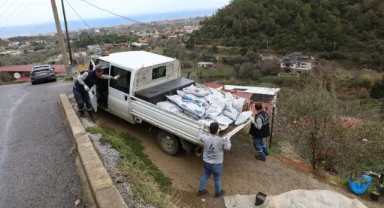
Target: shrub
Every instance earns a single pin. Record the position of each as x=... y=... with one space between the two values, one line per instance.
x=186 y=64
x=248 y=70
x=215 y=49
x=232 y=60
x=333 y=56
x=236 y=69
x=312 y=120
x=377 y=90
x=365 y=81
x=5 y=77
x=363 y=94
x=268 y=68
x=208 y=56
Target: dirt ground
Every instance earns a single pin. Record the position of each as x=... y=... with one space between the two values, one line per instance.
x=242 y=173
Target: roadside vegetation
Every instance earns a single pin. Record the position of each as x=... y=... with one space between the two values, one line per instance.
x=354 y=28
x=314 y=121
x=149 y=183
x=5 y=77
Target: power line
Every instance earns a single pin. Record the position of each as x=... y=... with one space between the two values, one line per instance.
x=83 y=22
x=72 y=21
x=7 y=9
x=13 y=13
x=78 y=14
x=40 y=27
x=4 y=4
x=112 y=12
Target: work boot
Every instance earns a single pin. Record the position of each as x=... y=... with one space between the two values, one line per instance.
x=201 y=193
x=258 y=157
x=266 y=154
x=82 y=114
x=220 y=194
x=92 y=117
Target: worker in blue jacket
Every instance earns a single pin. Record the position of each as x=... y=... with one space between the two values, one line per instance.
x=84 y=82
x=260 y=130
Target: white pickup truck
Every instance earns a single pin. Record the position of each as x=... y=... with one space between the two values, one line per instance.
x=146 y=79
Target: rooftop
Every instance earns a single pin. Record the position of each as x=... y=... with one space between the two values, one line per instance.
x=28 y=68
x=135 y=60
x=253 y=90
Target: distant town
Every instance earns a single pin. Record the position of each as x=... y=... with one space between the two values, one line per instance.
x=141 y=35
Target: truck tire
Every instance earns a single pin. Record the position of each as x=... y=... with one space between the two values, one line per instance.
x=168 y=143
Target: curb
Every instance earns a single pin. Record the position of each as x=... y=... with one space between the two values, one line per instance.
x=105 y=193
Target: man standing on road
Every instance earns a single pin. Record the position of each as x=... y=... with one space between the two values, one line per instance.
x=260 y=130
x=213 y=156
x=82 y=85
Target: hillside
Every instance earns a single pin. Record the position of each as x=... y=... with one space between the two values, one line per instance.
x=355 y=26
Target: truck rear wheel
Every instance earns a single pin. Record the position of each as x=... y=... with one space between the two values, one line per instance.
x=168 y=143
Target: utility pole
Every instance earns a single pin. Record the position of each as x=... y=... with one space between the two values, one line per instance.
x=267 y=45
x=61 y=39
x=66 y=31
x=334 y=46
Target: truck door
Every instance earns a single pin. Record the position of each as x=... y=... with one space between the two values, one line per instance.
x=119 y=91
x=93 y=91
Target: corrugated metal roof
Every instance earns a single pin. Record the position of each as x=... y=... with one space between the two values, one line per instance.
x=28 y=68
x=214 y=86
x=253 y=90
x=135 y=60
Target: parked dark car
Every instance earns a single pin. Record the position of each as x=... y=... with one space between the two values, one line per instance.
x=42 y=73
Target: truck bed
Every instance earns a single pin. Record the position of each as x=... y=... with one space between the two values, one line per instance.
x=181 y=127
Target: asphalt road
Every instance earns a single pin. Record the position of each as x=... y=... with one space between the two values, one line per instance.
x=37 y=168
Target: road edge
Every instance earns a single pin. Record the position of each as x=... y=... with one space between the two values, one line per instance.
x=104 y=192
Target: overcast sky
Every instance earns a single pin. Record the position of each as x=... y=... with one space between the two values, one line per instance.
x=23 y=12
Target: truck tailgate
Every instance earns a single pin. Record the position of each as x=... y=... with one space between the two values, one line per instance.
x=179 y=126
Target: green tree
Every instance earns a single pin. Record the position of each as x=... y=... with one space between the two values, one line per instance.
x=377 y=90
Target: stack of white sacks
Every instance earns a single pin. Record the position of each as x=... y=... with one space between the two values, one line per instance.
x=207 y=105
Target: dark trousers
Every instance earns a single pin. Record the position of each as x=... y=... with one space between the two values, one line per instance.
x=83 y=101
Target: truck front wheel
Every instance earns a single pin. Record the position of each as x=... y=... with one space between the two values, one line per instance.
x=168 y=143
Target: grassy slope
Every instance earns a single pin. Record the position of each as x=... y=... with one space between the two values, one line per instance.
x=147 y=180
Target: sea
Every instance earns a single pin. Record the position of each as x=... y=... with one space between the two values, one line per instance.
x=47 y=27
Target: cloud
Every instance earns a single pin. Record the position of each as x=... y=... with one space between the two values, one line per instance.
x=23 y=12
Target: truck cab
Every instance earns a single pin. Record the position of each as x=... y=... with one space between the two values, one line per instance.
x=138 y=70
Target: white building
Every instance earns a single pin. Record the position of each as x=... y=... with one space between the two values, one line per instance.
x=297 y=63
x=139 y=44
x=205 y=64
x=94 y=48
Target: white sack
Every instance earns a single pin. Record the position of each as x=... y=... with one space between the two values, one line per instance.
x=229 y=95
x=214 y=110
x=216 y=92
x=223 y=121
x=296 y=198
x=213 y=98
x=206 y=122
x=200 y=92
x=168 y=106
x=197 y=100
x=181 y=93
x=231 y=114
x=193 y=109
x=243 y=117
x=238 y=104
x=176 y=99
